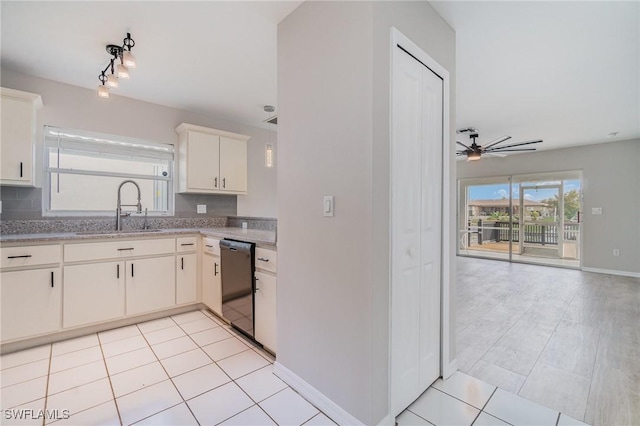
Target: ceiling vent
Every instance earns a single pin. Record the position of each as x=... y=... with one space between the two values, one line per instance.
x=272 y=120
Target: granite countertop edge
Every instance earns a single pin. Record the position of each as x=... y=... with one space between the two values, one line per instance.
x=258 y=236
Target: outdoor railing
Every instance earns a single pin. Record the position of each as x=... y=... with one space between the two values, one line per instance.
x=534 y=233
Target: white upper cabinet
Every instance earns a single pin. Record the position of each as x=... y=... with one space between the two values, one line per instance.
x=17 y=137
x=211 y=161
x=233 y=165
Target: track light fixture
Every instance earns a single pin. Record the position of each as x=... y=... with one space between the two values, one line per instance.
x=122 y=60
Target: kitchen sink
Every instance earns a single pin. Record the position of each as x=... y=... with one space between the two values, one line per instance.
x=112 y=231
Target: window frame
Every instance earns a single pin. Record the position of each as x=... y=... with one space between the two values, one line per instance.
x=107 y=145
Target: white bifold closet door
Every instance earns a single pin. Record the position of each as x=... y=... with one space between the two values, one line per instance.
x=416 y=227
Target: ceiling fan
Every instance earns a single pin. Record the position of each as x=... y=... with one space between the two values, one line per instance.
x=475 y=151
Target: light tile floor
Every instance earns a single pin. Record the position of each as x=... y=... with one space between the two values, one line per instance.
x=563 y=338
x=191 y=369
x=187 y=369
x=462 y=400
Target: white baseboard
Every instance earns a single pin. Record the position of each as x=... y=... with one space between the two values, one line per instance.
x=387 y=421
x=449 y=369
x=612 y=272
x=314 y=396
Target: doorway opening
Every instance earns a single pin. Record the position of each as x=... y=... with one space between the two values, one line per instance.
x=522 y=218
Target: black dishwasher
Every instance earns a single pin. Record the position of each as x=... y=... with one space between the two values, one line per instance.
x=238 y=283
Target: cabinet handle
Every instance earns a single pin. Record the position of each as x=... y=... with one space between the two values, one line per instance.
x=209 y=245
x=182 y=263
x=224 y=181
x=215 y=269
x=18 y=257
x=186 y=244
x=125 y=249
x=132 y=269
x=51 y=279
x=118 y=271
x=215 y=182
x=263 y=259
x=21 y=169
x=257 y=288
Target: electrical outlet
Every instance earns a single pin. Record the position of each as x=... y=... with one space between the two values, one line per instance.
x=596 y=210
x=616 y=252
x=201 y=208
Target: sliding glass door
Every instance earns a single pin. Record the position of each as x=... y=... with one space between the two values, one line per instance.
x=524 y=218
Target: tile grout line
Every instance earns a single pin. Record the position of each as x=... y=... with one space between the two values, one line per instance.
x=500 y=338
x=593 y=370
x=46 y=392
x=256 y=403
x=104 y=359
x=222 y=369
x=169 y=376
x=555 y=329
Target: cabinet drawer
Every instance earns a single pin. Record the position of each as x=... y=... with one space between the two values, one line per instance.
x=211 y=245
x=186 y=244
x=266 y=259
x=29 y=255
x=117 y=249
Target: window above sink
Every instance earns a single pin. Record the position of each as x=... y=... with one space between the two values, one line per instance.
x=84 y=169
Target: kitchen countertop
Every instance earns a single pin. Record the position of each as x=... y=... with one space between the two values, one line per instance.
x=258 y=236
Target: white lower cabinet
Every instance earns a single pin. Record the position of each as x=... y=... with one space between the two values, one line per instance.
x=150 y=284
x=93 y=293
x=265 y=310
x=31 y=303
x=212 y=283
x=186 y=278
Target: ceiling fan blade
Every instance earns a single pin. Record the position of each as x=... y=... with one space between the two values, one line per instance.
x=508 y=150
x=460 y=143
x=517 y=144
x=492 y=154
x=497 y=141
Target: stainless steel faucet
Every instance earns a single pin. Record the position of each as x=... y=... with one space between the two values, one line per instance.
x=119 y=206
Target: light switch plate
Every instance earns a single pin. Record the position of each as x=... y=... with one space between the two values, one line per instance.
x=596 y=210
x=202 y=208
x=328 y=205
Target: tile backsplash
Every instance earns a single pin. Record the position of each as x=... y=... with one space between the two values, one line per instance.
x=19 y=203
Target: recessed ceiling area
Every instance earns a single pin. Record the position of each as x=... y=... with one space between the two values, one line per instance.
x=567 y=72
x=215 y=58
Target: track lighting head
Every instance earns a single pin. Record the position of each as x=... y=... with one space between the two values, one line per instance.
x=123 y=59
x=103 y=91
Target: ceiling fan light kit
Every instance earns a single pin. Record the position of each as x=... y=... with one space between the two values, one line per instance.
x=474 y=151
x=118 y=69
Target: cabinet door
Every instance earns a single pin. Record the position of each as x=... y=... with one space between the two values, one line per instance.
x=31 y=303
x=203 y=161
x=265 y=308
x=212 y=283
x=17 y=141
x=93 y=293
x=233 y=165
x=186 y=278
x=150 y=284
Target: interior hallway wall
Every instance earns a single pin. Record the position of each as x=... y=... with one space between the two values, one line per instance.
x=333 y=94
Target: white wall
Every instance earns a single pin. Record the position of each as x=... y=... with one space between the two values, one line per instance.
x=611 y=180
x=324 y=264
x=333 y=273
x=78 y=108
